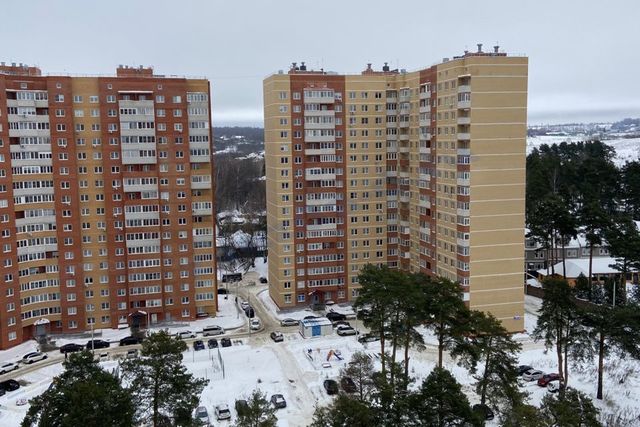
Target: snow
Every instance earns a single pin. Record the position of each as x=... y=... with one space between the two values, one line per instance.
x=291 y=369
x=627 y=149
x=576 y=267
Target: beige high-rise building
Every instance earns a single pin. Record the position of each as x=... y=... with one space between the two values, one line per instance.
x=421 y=171
x=106 y=201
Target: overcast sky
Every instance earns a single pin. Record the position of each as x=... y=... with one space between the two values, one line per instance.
x=584 y=56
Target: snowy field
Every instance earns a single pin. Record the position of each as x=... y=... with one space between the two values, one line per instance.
x=626 y=149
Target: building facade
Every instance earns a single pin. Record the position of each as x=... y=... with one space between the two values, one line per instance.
x=421 y=171
x=106 y=201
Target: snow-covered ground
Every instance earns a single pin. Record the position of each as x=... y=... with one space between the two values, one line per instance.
x=626 y=149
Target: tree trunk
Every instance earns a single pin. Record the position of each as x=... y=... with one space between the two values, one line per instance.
x=623 y=281
x=483 y=394
x=564 y=261
x=440 y=346
x=156 y=392
x=559 y=339
x=600 y=364
x=566 y=359
x=382 y=356
x=552 y=257
x=590 y=271
x=407 y=343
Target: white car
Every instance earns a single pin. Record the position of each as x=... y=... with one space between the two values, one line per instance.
x=222 y=412
x=202 y=416
x=34 y=356
x=8 y=367
x=255 y=324
x=244 y=305
x=185 y=334
x=532 y=375
x=554 y=386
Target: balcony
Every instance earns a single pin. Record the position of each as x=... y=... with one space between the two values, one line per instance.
x=464 y=136
x=424 y=122
x=329 y=125
x=142 y=242
x=319 y=151
x=199 y=158
x=424 y=177
x=463 y=242
x=142 y=215
x=405 y=197
x=310 y=176
x=201 y=209
x=464 y=151
x=425 y=109
x=325 y=99
x=425 y=136
x=201 y=182
x=319 y=138
x=403 y=148
x=134 y=188
x=392 y=173
x=317 y=202
x=463 y=120
x=323 y=113
x=424 y=150
x=404 y=174
x=203 y=238
x=426 y=94
x=462 y=212
x=464 y=105
x=425 y=230
x=316 y=227
x=424 y=203
x=404 y=137
x=464 y=88
x=463 y=182
x=392 y=137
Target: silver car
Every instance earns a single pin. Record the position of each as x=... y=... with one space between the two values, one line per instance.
x=8 y=367
x=202 y=416
x=222 y=412
x=288 y=322
x=532 y=375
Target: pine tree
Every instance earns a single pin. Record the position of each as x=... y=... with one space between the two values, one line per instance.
x=84 y=394
x=624 y=244
x=259 y=412
x=160 y=384
x=440 y=402
x=360 y=370
x=571 y=408
x=345 y=411
x=492 y=348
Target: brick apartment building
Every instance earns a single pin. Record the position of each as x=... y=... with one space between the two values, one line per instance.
x=421 y=171
x=106 y=201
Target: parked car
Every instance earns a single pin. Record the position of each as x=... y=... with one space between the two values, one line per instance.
x=368 y=338
x=524 y=368
x=278 y=401
x=345 y=330
x=255 y=324
x=331 y=386
x=223 y=412
x=250 y=312
x=310 y=317
x=244 y=305
x=532 y=375
x=222 y=291
x=329 y=302
x=198 y=345
x=546 y=378
x=212 y=343
x=225 y=342
x=241 y=406
x=130 y=341
x=71 y=348
x=34 y=356
x=9 y=385
x=185 y=334
x=342 y=322
x=212 y=330
x=202 y=416
x=289 y=322
x=2 y=392
x=263 y=279
x=334 y=317
x=483 y=411
x=555 y=385
x=93 y=344
x=132 y=354
x=277 y=336
x=8 y=367
x=230 y=278
x=348 y=385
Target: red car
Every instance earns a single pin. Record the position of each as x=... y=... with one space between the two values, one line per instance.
x=547 y=378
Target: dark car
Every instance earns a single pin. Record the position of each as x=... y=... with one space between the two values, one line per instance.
x=263 y=279
x=129 y=341
x=368 y=338
x=483 y=411
x=278 y=401
x=310 y=317
x=523 y=368
x=9 y=385
x=547 y=378
x=242 y=407
x=222 y=291
x=342 y=322
x=198 y=345
x=92 y=344
x=334 y=317
x=277 y=336
x=225 y=342
x=250 y=312
x=348 y=385
x=212 y=343
x=71 y=348
x=331 y=386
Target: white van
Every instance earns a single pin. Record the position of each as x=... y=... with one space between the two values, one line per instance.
x=212 y=330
